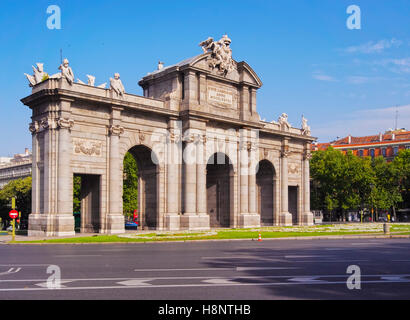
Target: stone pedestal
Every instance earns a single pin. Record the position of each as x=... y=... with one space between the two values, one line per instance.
x=307 y=219
x=285 y=219
x=249 y=221
x=172 y=222
x=115 y=224
x=51 y=225
x=194 y=222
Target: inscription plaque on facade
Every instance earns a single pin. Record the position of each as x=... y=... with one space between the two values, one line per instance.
x=219 y=95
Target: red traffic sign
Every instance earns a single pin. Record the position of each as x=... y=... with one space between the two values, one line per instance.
x=13 y=214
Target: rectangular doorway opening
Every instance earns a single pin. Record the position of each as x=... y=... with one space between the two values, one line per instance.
x=293 y=203
x=87 y=203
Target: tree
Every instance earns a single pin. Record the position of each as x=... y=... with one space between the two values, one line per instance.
x=130 y=185
x=21 y=190
x=401 y=167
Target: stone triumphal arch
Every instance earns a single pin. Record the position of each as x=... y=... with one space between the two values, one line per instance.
x=205 y=157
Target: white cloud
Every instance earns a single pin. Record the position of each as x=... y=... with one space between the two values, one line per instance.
x=374 y=47
x=323 y=77
x=363 y=122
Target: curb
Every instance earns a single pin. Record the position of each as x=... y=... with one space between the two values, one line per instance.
x=226 y=240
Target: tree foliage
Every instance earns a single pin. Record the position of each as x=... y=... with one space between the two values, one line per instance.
x=21 y=189
x=342 y=182
x=130 y=185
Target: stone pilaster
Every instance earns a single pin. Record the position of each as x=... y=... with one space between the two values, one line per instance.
x=285 y=218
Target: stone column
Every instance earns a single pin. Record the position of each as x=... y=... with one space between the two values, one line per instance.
x=307 y=216
x=252 y=180
x=190 y=177
x=35 y=226
x=285 y=218
x=115 y=219
x=35 y=192
x=172 y=221
x=244 y=180
x=195 y=183
x=200 y=176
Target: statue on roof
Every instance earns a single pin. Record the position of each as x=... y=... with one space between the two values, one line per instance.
x=116 y=85
x=283 y=122
x=221 y=54
x=305 y=127
x=66 y=71
x=38 y=75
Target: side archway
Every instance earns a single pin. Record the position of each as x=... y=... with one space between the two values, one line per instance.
x=265 y=177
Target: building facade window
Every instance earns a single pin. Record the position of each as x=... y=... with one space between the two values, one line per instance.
x=383 y=152
x=360 y=153
x=395 y=151
x=372 y=153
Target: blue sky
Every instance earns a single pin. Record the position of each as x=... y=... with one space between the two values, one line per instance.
x=344 y=81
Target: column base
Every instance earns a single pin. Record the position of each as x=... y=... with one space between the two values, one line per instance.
x=172 y=222
x=307 y=219
x=115 y=224
x=285 y=219
x=194 y=222
x=249 y=220
x=50 y=225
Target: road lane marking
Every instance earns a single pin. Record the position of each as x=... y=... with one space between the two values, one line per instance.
x=306 y=279
x=264 y=268
x=217 y=269
x=306 y=256
x=138 y=282
x=11 y=271
x=78 y=255
x=193 y=269
x=204 y=285
x=45 y=284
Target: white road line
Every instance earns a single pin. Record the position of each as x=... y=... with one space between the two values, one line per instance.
x=78 y=255
x=264 y=268
x=194 y=269
x=217 y=269
x=23 y=265
x=201 y=285
x=213 y=277
x=305 y=256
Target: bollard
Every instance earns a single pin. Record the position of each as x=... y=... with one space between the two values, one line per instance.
x=386 y=228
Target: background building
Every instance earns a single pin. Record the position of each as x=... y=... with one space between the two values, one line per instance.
x=387 y=145
x=16 y=167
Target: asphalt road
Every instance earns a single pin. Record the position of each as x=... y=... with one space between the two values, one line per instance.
x=240 y=270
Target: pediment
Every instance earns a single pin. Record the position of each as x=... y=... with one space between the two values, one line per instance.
x=242 y=72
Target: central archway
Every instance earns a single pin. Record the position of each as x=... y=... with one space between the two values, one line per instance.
x=219 y=186
x=147 y=193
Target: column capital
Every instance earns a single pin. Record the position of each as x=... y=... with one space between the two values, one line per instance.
x=65 y=123
x=48 y=123
x=307 y=155
x=34 y=127
x=116 y=130
x=285 y=151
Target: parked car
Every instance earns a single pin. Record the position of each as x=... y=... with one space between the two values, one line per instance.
x=131 y=225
